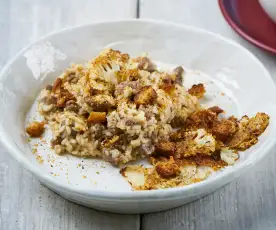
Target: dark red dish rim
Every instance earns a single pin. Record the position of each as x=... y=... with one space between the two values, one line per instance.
x=262 y=38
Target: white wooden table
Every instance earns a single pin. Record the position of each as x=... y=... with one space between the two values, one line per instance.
x=249 y=203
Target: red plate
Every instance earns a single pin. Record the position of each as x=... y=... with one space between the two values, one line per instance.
x=250 y=21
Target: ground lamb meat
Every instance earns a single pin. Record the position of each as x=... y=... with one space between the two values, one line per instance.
x=101 y=103
x=216 y=110
x=49 y=87
x=57 y=85
x=202 y=119
x=134 y=85
x=71 y=106
x=178 y=71
x=168 y=84
x=63 y=96
x=56 y=141
x=146 y=64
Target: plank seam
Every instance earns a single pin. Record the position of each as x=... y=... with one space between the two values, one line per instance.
x=138 y=9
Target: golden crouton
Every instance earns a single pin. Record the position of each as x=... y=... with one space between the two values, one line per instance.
x=197 y=90
x=146 y=96
x=165 y=148
x=96 y=117
x=224 y=129
x=167 y=169
x=35 y=129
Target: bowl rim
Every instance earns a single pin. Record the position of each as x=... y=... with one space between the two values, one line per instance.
x=236 y=27
x=168 y=194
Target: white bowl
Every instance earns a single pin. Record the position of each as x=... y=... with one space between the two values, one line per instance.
x=269 y=7
x=234 y=69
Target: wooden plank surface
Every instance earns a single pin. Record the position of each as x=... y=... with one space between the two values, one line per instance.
x=248 y=203
x=24 y=203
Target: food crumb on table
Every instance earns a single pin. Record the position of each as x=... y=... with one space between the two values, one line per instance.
x=39 y=159
x=34 y=151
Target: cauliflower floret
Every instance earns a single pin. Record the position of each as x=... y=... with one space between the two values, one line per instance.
x=112 y=66
x=203 y=139
x=135 y=175
x=202 y=172
x=195 y=142
x=229 y=156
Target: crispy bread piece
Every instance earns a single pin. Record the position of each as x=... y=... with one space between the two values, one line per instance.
x=35 y=129
x=249 y=131
x=145 y=96
x=96 y=117
x=197 y=90
x=165 y=148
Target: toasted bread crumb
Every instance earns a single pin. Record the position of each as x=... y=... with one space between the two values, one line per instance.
x=146 y=96
x=178 y=71
x=167 y=169
x=165 y=148
x=35 y=129
x=96 y=117
x=197 y=90
x=224 y=130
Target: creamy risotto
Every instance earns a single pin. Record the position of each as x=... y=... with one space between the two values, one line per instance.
x=121 y=108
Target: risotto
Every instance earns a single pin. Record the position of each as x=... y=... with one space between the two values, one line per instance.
x=121 y=109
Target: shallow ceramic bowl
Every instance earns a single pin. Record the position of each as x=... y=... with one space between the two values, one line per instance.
x=244 y=80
